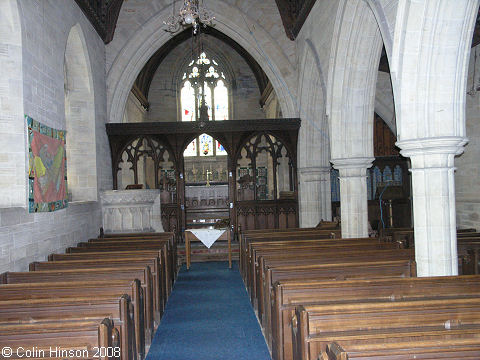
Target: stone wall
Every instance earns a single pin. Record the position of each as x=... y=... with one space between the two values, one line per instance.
x=45 y=27
x=134 y=111
x=467 y=176
x=164 y=91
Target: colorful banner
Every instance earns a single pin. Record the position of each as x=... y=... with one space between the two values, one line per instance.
x=47 y=168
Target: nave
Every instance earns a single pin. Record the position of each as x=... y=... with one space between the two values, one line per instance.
x=317 y=297
x=208 y=316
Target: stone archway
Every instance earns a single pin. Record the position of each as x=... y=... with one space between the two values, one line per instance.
x=136 y=52
x=356 y=50
x=313 y=144
x=13 y=182
x=80 y=119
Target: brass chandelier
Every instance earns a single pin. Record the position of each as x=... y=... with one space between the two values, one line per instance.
x=192 y=13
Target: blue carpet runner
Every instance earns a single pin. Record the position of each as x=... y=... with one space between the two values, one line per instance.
x=209 y=316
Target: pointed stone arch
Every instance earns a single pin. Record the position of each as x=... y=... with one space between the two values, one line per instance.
x=356 y=50
x=13 y=165
x=313 y=145
x=79 y=119
x=136 y=52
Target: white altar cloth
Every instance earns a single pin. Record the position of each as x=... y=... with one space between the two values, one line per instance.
x=207 y=236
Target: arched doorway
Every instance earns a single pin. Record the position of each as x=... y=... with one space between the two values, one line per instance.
x=206 y=163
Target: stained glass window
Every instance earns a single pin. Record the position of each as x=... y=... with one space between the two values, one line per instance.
x=188 y=102
x=221 y=101
x=191 y=149
x=206 y=145
x=216 y=99
x=220 y=149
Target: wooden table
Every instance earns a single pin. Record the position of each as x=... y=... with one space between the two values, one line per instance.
x=189 y=236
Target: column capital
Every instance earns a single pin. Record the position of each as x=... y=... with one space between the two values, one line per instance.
x=352 y=163
x=448 y=145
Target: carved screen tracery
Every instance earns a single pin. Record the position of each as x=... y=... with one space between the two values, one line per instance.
x=145 y=161
x=265 y=169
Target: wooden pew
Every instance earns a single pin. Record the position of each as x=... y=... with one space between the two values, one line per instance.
x=168 y=252
x=83 y=336
x=102 y=255
x=333 y=271
x=290 y=294
x=283 y=247
x=118 y=246
x=107 y=274
x=441 y=346
x=118 y=309
x=326 y=255
x=269 y=235
x=159 y=294
x=172 y=245
x=313 y=327
x=91 y=289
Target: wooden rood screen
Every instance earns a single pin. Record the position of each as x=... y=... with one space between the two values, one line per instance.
x=262 y=194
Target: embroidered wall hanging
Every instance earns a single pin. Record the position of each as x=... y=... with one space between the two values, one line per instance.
x=47 y=168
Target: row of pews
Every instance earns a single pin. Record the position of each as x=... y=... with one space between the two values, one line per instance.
x=468 y=246
x=321 y=297
x=102 y=299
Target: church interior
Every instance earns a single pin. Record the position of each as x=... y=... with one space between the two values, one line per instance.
x=224 y=179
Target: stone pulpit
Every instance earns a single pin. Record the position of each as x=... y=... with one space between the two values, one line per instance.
x=126 y=211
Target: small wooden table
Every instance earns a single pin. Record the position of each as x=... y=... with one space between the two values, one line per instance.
x=189 y=236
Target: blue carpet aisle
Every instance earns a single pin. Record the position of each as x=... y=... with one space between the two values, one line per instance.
x=209 y=316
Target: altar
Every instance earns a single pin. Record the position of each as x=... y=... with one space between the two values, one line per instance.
x=208 y=237
x=205 y=205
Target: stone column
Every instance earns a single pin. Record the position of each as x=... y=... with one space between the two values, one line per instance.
x=314 y=195
x=353 y=195
x=433 y=184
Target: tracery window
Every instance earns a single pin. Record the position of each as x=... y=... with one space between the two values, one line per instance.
x=204 y=74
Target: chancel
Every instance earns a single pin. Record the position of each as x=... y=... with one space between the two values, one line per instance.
x=324 y=152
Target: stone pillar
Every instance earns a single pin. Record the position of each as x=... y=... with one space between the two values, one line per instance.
x=433 y=184
x=353 y=195
x=314 y=195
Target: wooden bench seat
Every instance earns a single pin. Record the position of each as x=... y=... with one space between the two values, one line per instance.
x=91 y=289
x=246 y=238
x=158 y=280
x=101 y=255
x=118 y=309
x=167 y=254
x=143 y=274
x=302 y=246
x=313 y=327
x=285 y=245
x=133 y=246
x=464 y=349
x=325 y=256
x=322 y=256
x=84 y=336
x=333 y=271
x=288 y=295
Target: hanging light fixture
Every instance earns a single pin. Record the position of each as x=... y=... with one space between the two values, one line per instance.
x=192 y=13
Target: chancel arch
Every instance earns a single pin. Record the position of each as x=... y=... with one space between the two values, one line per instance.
x=79 y=119
x=135 y=53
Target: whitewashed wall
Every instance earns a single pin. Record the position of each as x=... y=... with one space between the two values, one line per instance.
x=45 y=27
